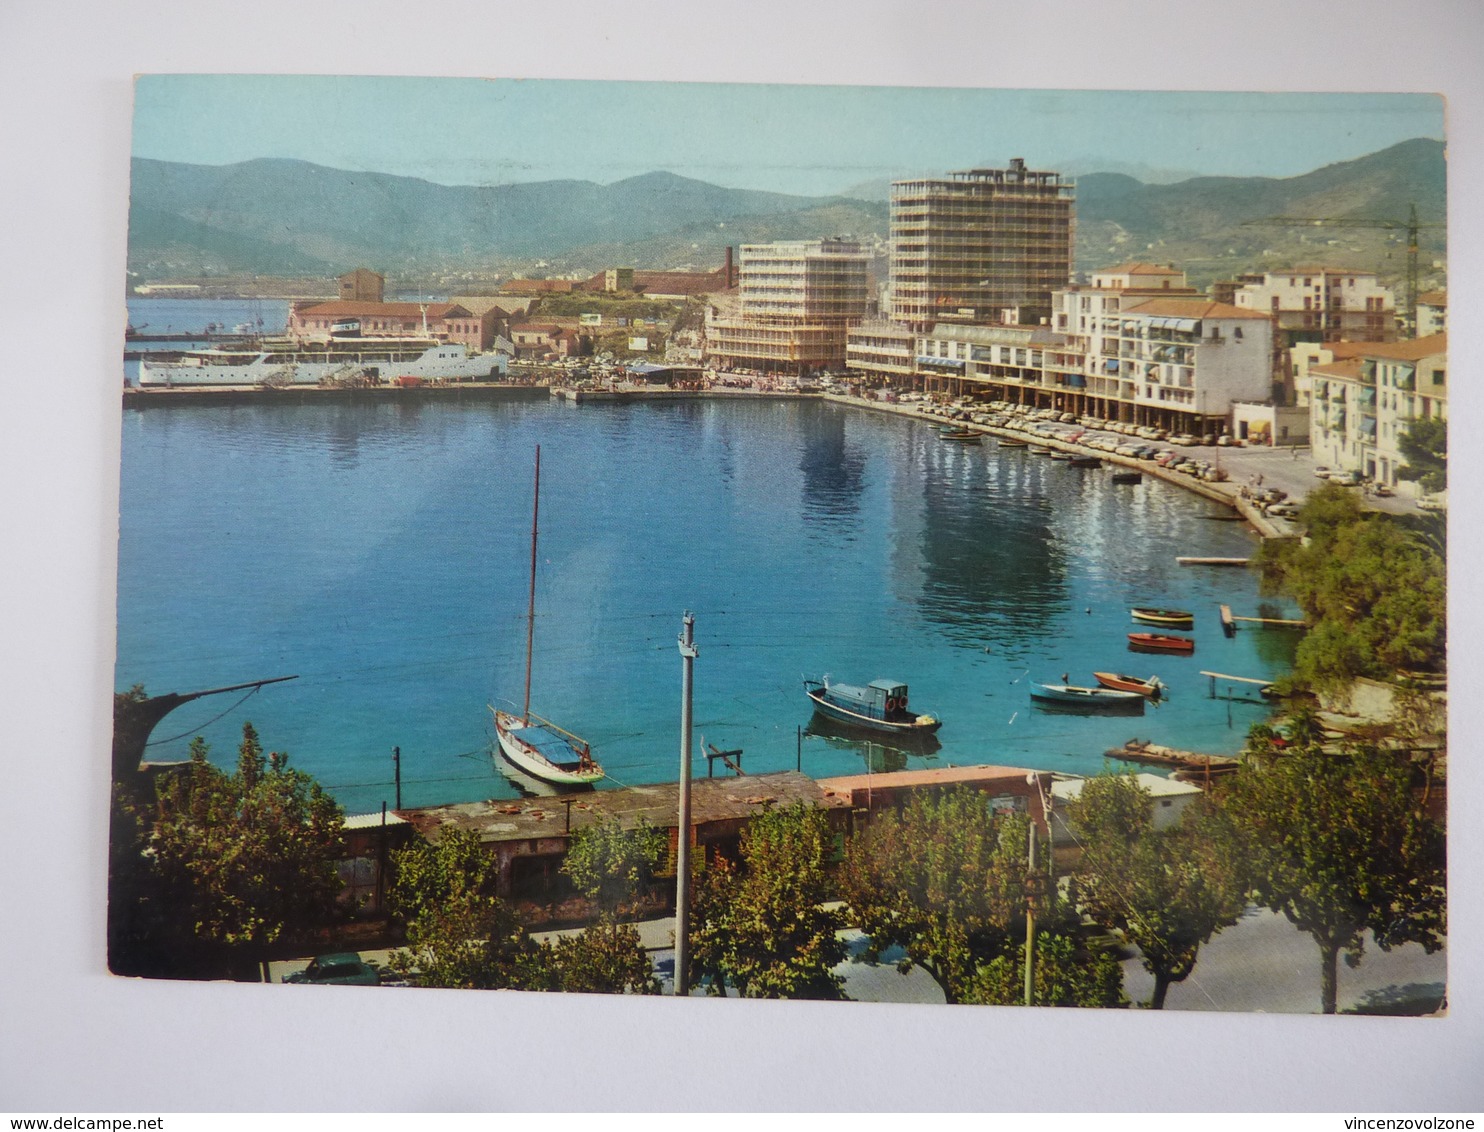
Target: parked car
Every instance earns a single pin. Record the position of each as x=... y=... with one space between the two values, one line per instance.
x=342 y=968
x=1321 y=472
x=1345 y=479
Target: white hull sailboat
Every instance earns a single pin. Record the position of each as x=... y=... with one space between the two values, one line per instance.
x=535 y=745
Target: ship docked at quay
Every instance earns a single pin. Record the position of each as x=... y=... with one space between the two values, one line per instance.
x=347 y=362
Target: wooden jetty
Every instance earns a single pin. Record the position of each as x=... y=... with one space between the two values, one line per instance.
x=1229 y=620
x=1215 y=676
x=1186 y=764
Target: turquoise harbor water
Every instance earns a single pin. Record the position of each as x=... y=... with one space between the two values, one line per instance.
x=381 y=552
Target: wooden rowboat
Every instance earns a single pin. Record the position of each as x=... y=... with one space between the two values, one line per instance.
x=1153 y=687
x=1170 y=618
x=1159 y=642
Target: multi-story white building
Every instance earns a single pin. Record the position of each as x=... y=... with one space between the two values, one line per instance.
x=1364 y=404
x=1321 y=304
x=1177 y=362
x=979 y=242
x=798 y=299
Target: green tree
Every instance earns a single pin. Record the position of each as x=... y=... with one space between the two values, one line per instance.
x=471 y=941
x=1373 y=590
x=223 y=865
x=1339 y=846
x=1166 y=892
x=762 y=926
x=606 y=958
x=1424 y=446
x=613 y=866
x=1067 y=973
x=459 y=933
x=944 y=880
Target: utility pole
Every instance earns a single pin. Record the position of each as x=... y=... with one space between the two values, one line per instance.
x=1030 y=920
x=682 y=855
x=397 y=772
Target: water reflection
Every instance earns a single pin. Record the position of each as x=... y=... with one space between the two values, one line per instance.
x=833 y=471
x=987 y=545
x=881 y=753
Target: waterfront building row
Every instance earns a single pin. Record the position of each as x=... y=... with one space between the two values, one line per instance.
x=1137 y=346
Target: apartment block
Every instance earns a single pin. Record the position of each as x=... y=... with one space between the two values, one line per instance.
x=1321 y=304
x=798 y=299
x=1363 y=405
x=979 y=242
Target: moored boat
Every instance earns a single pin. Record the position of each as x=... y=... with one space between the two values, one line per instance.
x=340 y=361
x=879 y=706
x=1152 y=688
x=961 y=436
x=1086 y=461
x=1159 y=642
x=1170 y=618
x=535 y=745
x=1011 y=442
x=1091 y=697
x=1127 y=477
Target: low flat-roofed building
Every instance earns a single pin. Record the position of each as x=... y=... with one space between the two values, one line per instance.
x=1168 y=798
x=446 y=322
x=529 y=837
x=1010 y=789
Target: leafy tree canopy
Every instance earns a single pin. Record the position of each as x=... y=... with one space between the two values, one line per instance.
x=1338 y=845
x=612 y=866
x=1424 y=445
x=223 y=862
x=943 y=879
x=1067 y=972
x=762 y=926
x=1166 y=892
x=1374 y=592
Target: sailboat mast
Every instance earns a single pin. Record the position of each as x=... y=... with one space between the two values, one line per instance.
x=531 y=609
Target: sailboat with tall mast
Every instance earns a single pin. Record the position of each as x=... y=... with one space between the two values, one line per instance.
x=535 y=745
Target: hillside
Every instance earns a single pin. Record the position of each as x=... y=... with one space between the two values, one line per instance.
x=258 y=214
x=273 y=216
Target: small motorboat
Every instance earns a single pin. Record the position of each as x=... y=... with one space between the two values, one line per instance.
x=1152 y=688
x=1169 y=618
x=1086 y=461
x=1011 y=442
x=1038 y=450
x=1086 y=697
x=1128 y=477
x=1159 y=642
x=961 y=436
x=880 y=706
x=1055 y=455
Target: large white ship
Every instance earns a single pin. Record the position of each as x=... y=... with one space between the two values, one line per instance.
x=347 y=362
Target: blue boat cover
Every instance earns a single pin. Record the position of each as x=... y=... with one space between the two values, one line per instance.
x=552 y=745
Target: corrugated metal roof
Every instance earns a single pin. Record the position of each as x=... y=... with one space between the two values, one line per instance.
x=372 y=821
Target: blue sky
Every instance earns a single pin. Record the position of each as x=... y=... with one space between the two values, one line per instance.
x=799 y=139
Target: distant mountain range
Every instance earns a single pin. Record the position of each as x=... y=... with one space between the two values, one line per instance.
x=282 y=217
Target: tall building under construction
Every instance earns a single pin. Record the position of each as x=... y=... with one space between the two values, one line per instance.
x=980 y=243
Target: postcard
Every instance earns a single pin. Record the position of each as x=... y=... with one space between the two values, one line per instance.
x=939 y=546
